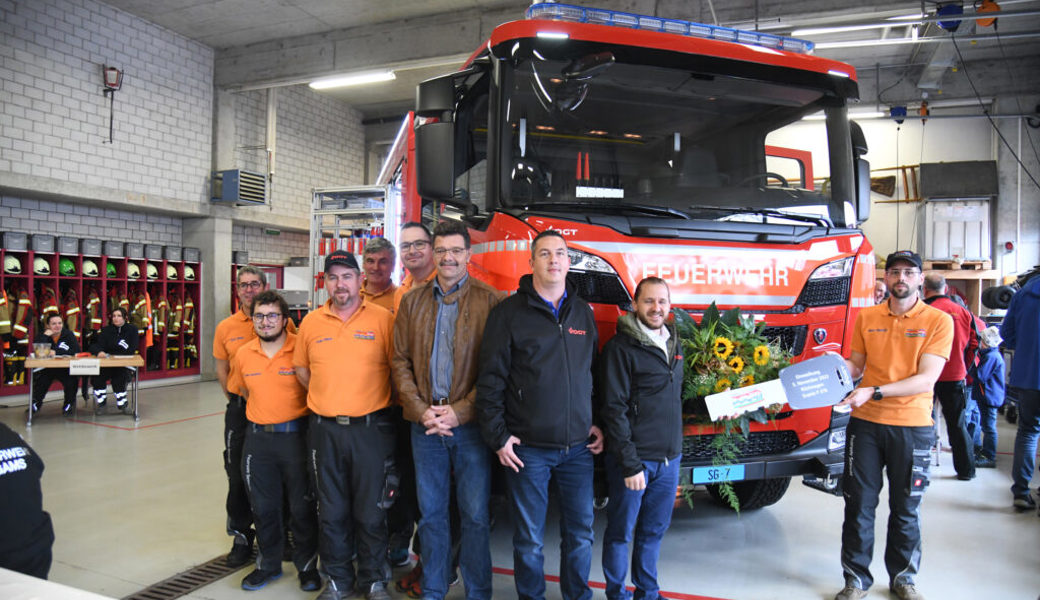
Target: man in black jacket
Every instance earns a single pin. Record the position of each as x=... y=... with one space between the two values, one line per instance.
x=63 y=343
x=117 y=338
x=25 y=545
x=534 y=405
x=641 y=378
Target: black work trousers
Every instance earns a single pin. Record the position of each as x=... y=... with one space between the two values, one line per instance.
x=403 y=516
x=43 y=378
x=274 y=468
x=953 y=397
x=354 y=471
x=239 y=513
x=118 y=375
x=873 y=450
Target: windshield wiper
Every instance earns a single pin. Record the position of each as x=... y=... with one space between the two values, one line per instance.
x=765 y=212
x=641 y=208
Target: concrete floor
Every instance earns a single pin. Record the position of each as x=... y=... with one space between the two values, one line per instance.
x=135 y=504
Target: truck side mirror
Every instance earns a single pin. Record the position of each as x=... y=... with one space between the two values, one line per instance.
x=434 y=160
x=435 y=98
x=861 y=168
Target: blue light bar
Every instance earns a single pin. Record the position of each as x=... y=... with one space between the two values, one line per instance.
x=578 y=14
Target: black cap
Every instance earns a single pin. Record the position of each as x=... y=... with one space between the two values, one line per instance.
x=341 y=257
x=904 y=255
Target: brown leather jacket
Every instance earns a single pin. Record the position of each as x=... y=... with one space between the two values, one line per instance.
x=414 y=328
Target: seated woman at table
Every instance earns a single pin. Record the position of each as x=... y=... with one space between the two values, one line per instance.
x=63 y=343
x=117 y=338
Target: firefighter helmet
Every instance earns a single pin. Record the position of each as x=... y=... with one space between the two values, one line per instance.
x=12 y=265
x=189 y=273
x=41 y=266
x=133 y=271
x=110 y=270
x=171 y=272
x=66 y=268
x=90 y=268
x=152 y=271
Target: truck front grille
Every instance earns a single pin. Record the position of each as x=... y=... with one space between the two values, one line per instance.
x=825 y=292
x=697 y=448
x=791 y=339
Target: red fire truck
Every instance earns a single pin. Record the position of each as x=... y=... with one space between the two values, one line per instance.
x=667 y=148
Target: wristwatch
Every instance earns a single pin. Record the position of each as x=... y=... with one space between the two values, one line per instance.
x=877 y=395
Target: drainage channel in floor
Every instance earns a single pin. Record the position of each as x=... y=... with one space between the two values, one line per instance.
x=188 y=581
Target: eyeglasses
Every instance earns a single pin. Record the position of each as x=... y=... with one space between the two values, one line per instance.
x=250 y=285
x=453 y=251
x=416 y=245
x=902 y=272
x=261 y=317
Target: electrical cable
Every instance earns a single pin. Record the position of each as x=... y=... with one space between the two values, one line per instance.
x=1018 y=101
x=985 y=111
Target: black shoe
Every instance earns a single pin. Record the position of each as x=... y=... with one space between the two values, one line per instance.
x=985 y=463
x=259 y=578
x=1024 y=503
x=124 y=407
x=239 y=555
x=310 y=581
x=399 y=557
x=99 y=409
x=965 y=476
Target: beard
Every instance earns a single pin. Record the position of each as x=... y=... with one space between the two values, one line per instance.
x=272 y=337
x=900 y=292
x=649 y=325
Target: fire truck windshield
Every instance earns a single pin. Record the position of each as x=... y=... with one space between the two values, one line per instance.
x=590 y=128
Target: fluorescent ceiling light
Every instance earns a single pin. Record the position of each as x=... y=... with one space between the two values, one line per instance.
x=852 y=115
x=353 y=79
x=841 y=29
x=553 y=35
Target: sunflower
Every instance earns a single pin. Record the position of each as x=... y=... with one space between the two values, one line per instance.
x=723 y=347
x=761 y=355
x=747 y=380
x=723 y=384
x=736 y=363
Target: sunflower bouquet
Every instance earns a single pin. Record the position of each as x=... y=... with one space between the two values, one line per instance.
x=725 y=351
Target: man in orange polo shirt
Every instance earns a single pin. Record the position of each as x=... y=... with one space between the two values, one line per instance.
x=416 y=247
x=274 y=459
x=342 y=357
x=378 y=262
x=899 y=348
x=231 y=334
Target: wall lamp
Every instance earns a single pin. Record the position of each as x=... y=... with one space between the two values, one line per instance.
x=113 y=79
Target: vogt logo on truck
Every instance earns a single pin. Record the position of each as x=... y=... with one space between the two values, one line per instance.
x=667 y=148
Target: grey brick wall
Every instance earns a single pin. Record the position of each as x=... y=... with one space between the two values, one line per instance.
x=59 y=218
x=269 y=249
x=54 y=117
x=319 y=143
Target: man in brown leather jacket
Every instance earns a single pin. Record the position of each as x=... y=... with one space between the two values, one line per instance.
x=437 y=336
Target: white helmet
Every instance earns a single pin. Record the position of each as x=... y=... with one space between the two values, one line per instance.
x=171 y=272
x=189 y=273
x=41 y=267
x=133 y=271
x=153 y=271
x=90 y=268
x=12 y=265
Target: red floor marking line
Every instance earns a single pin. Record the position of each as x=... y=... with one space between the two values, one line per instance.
x=600 y=585
x=120 y=427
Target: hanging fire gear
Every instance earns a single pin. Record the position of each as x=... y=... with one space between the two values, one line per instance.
x=173 y=331
x=93 y=309
x=160 y=315
x=139 y=314
x=22 y=317
x=48 y=304
x=70 y=310
x=5 y=315
x=191 y=351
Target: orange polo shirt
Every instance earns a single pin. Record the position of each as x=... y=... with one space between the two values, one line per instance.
x=893 y=346
x=231 y=334
x=384 y=298
x=349 y=361
x=275 y=395
x=407 y=285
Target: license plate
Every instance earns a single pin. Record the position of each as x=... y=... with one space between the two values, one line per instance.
x=718 y=474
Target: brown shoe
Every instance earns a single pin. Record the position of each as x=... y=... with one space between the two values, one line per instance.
x=906 y=591
x=850 y=592
x=411 y=581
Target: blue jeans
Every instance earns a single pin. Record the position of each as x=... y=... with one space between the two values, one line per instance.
x=647 y=512
x=1025 y=441
x=436 y=458
x=570 y=473
x=973 y=419
x=988 y=423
